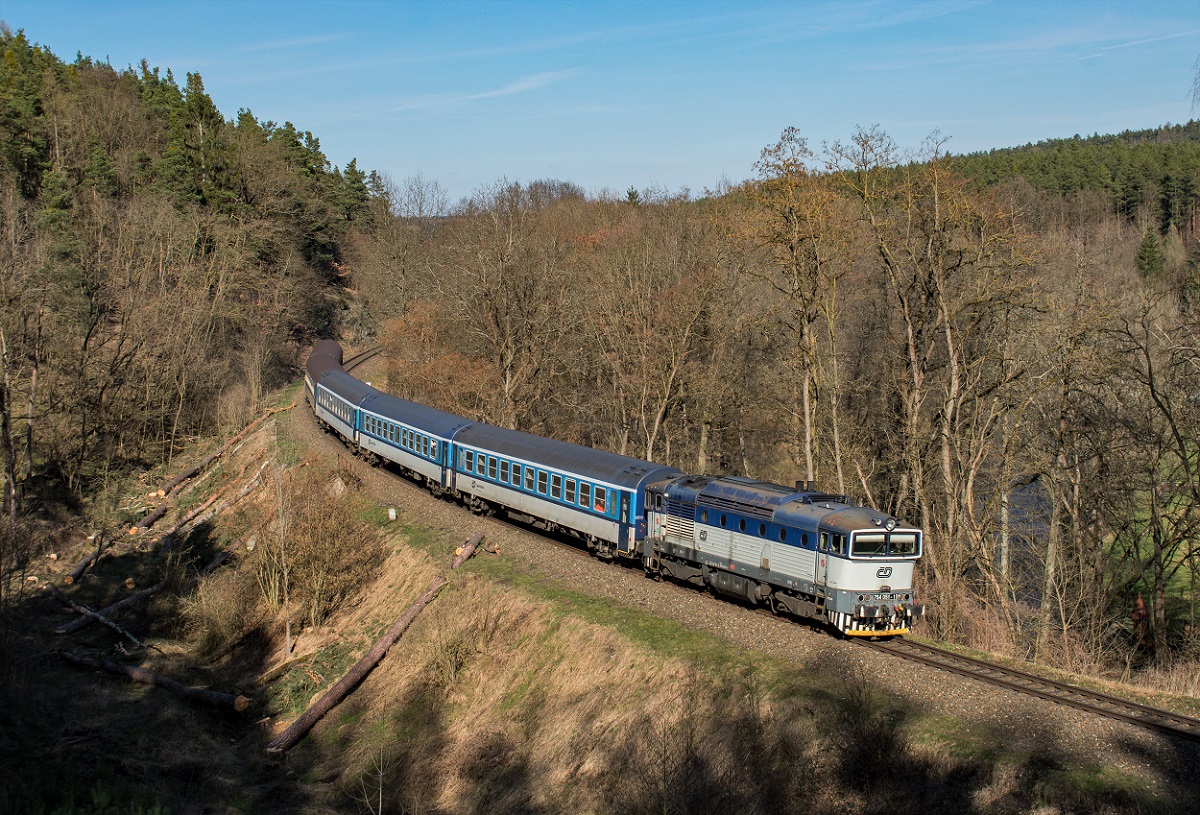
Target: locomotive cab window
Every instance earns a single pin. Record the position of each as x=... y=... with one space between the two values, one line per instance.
x=903 y=543
x=837 y=544
x=824 y=544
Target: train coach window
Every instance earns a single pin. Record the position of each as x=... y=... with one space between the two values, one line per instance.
x=601 y=504
x=541 y=482
x=570 y=490
x=480 y=463
x=516 y=475
x=425 y=445
x=556 y=486
x=585 y=495
x=529 y=474
x=468 y=460
x=433 y=448
x=504 y=471
x=491 y=467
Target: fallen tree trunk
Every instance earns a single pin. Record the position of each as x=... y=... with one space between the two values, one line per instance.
x=81 y=609
x=235 y=702
x=178 y=481
x=86 y=561
x=108 y=611
x=344 y=686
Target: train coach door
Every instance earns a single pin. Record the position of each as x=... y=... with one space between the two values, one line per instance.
x=822 y=558
x=627 y=521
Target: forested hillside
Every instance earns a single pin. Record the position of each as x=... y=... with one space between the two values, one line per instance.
x=161 y=266
x=1001 y=348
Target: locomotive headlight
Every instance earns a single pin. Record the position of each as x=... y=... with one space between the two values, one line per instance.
x=890 y=525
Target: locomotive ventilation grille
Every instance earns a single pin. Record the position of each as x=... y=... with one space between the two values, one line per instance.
x=679 y=518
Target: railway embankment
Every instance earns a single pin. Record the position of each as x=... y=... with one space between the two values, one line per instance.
x=540 y=680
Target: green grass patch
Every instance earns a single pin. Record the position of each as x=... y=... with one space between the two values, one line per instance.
x=290 y=694
x=1092 y=788
x=665 y=638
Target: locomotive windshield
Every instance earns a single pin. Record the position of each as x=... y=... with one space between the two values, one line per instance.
x=883 y=544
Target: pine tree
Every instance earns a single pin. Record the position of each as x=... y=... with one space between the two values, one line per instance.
x=1150 y=256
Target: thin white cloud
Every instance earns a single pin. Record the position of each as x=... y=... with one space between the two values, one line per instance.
x=533 y=82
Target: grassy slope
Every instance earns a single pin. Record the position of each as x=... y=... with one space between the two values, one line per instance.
x=510 y=694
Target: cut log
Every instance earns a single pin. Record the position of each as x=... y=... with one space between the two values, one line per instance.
x=97 y=616
x=236 y=702
x=86 y=561
x=108 y=611
x=344 y=686
x=178 y=482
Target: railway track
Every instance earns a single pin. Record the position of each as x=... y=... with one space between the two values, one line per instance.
x=361 y=357
x=1103 y=704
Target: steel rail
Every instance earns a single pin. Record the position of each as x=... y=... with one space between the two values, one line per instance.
x=360 y=358
x=1112 y=707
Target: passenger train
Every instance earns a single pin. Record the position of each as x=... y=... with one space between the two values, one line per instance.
x=795 y=550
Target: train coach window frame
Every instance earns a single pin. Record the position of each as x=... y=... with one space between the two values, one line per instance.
x=543 y=480
x=601 y=500
x=515 y=480
x=504 y=472
x=585 y=494
x=433 y=448
x=492 y=467
x=530 y=475
x=569 y=495
x=556 y=486
x=468 y=462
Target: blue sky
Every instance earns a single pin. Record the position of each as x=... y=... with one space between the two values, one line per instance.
x=665 y=95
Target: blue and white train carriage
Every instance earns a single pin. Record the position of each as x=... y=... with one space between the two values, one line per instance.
x=796 y=550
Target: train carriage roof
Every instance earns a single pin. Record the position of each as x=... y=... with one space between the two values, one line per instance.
x=346 y=386
x=428 y=420
x=597 y=465
x=326 y=356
